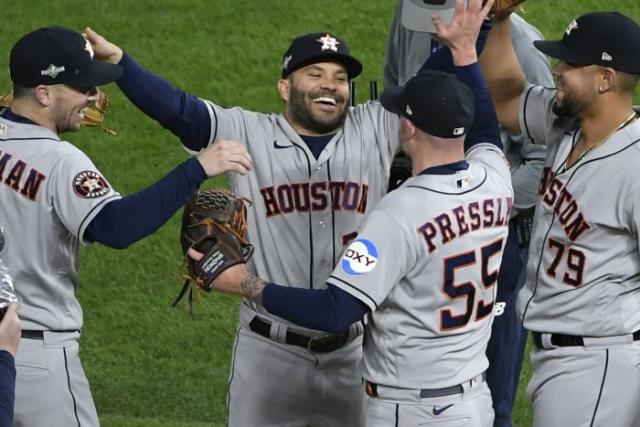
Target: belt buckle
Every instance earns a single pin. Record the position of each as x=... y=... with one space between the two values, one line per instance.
x=326 y=343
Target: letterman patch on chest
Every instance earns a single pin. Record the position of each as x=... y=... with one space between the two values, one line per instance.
x=90 y=185
x=360 y=257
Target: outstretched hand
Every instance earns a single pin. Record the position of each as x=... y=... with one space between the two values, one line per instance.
x=103 y=48
x=461 y=33
x=225 y=156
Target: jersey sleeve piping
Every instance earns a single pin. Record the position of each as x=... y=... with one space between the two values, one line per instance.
x=213 y=117
x=484 y=179
x=354 y=291
x=91 y=214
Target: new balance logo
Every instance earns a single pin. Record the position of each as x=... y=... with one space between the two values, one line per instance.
x=606 y=57
x=437 y=410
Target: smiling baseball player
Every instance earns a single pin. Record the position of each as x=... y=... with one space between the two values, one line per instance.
x=423 y=267
x=320 y=167
x=583 y=277
x=54 y=200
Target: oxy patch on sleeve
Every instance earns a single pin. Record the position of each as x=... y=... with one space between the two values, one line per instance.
x=360 y=257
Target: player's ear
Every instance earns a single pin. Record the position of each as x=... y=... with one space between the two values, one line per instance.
x=283 y=89
x=407 y=129
x=607 y=79
x=43 y=95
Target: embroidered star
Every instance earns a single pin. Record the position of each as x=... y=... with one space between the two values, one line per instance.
x=329 y=42
x=88 y=48
x=285 y=63
x=572 y=26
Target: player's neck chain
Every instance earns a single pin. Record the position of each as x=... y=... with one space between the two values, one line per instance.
x=624 y=123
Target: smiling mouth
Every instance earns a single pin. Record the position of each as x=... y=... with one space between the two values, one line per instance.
x=325 y=100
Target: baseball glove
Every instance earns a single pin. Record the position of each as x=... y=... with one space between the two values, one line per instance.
x=214 y=223
x=501 y=9
x=93 y=113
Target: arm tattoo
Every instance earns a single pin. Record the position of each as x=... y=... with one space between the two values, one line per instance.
x=252 y=287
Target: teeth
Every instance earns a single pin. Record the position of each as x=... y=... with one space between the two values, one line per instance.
x=326 y=99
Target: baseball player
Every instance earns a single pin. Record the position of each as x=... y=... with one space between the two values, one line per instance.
x=320 y=167
x=581 y=298
x=9 y=341
x=53 y=200
x=423 y=267
x=405 y=54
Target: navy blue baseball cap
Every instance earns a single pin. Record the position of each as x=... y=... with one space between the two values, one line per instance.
x=610 y=39
x=436 y=102
x=319 y=47
x=56 y=55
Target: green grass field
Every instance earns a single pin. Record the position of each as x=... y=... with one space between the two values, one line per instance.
x=149 y=364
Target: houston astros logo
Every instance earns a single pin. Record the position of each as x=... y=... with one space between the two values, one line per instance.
x=90 y=185
x=360 y=257
x=329 y=43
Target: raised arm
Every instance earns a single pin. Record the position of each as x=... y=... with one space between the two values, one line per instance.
x=183 y=114
x=503 y=74
x=460 y=37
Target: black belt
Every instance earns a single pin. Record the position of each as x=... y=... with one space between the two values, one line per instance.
x=324 y=343
x=39 y=335
x=372 y=389
x=567 y=340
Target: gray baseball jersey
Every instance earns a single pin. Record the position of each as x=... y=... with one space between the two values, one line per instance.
x=583 y=274
x=425 y=262
x=50 y=191
x=304 y=211
x=584 y=270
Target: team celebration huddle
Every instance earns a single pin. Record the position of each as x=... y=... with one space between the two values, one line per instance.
x=396 y=259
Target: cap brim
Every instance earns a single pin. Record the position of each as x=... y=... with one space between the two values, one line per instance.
x=101 y=74
x=556 y=49
x=353 y=66
x=392 y=100
x=417 y=16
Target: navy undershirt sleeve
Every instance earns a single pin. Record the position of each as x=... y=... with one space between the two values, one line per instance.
x=127 y=220
x=484 y=127
x=331 y=309
x=7 y=388
x=183 y=114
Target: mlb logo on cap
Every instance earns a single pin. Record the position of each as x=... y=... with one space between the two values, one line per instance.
x=436 y=102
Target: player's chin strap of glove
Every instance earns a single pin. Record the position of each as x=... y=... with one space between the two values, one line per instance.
x=93 y=113
x=214 y=223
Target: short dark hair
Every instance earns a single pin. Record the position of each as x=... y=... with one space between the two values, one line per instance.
x=627 y=82
x=21 y=91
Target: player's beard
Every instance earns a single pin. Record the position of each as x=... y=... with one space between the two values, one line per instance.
x=571 y=105
x=301 y=112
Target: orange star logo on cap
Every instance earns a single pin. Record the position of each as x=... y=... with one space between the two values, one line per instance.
x=329 y=43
